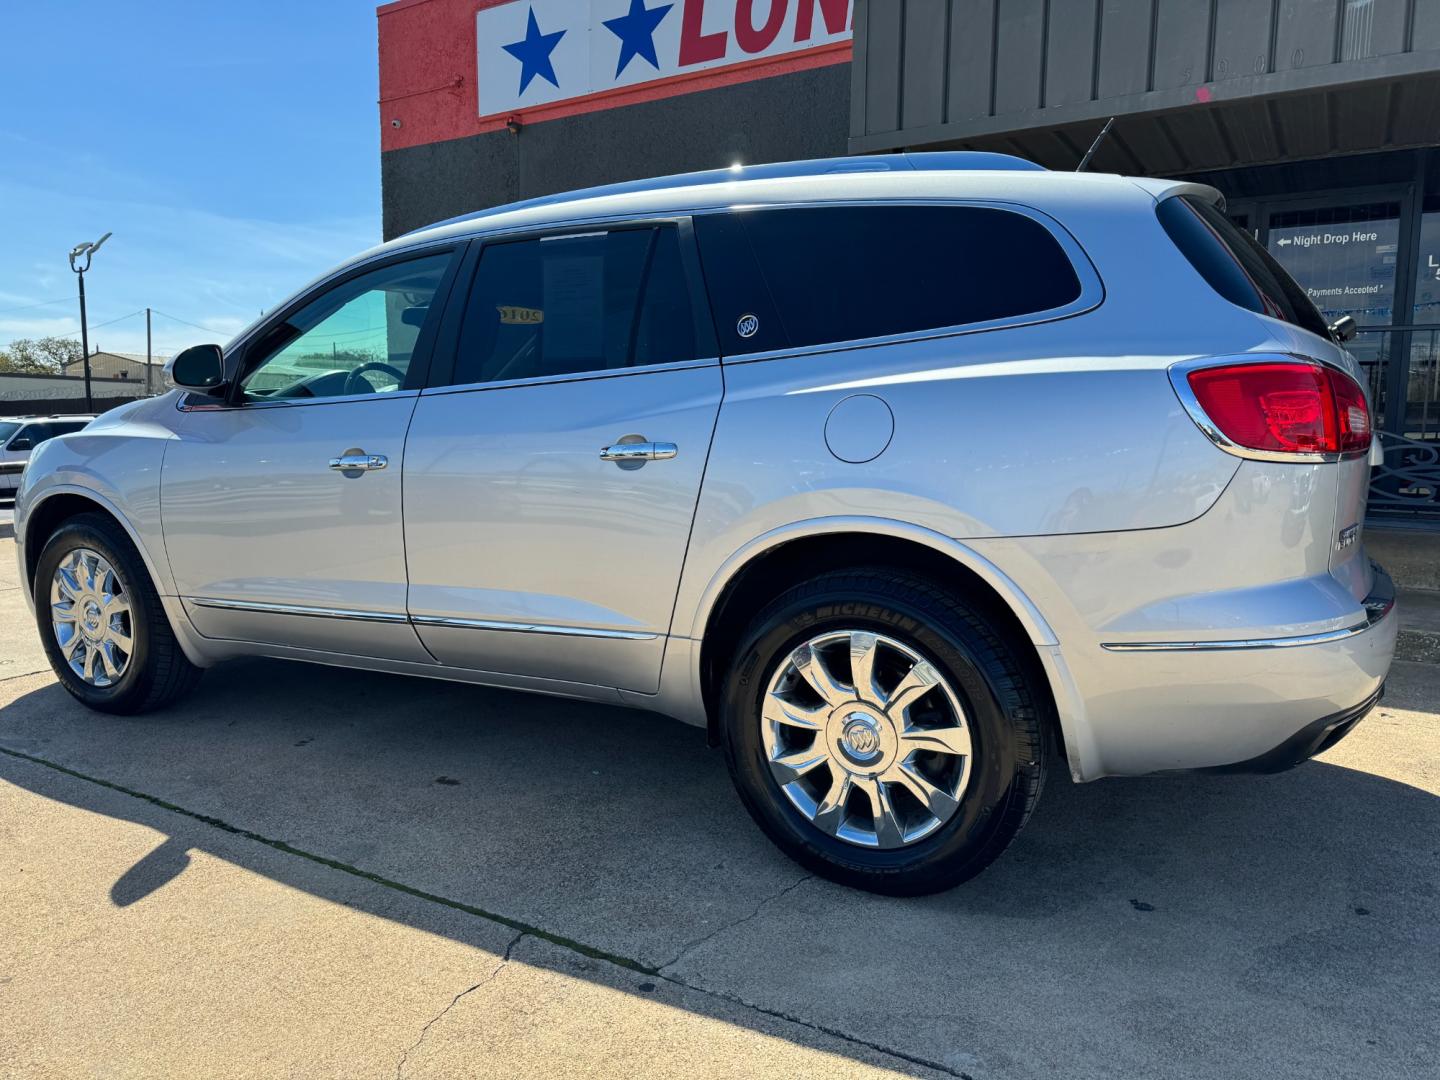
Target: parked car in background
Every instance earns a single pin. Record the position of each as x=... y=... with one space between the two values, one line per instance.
x=910 y=478
x=19 y=435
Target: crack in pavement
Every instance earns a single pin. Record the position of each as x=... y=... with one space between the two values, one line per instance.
x=691 y=946
x=823 y=1029
x=23 y=674
x=505 y=959
x=345 y=868
x=522 y=929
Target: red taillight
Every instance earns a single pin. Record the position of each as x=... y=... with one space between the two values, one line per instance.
x=1351 y=412
x=1287 y=408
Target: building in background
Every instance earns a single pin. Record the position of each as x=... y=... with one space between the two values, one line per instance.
x=1316 y=118
x=483 y=103
x=123 y=367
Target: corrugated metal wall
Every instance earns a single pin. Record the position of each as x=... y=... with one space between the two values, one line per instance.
x=928 y=71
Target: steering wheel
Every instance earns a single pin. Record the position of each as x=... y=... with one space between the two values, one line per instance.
x=355 y=384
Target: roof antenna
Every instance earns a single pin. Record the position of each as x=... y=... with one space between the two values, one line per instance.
x=1095 y=145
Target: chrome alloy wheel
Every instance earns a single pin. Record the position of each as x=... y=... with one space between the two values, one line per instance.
x=90 y=614
x=866 y=739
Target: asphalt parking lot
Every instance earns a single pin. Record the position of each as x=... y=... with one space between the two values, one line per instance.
x=305 y=871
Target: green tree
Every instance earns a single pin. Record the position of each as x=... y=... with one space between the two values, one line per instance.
x=42 y=356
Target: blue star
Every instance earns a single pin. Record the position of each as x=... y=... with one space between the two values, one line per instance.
x=534 y=54
x=636 y=31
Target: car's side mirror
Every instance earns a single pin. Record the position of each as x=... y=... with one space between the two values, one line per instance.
x=21 y=444
x=200 y=368
x=1343 y=329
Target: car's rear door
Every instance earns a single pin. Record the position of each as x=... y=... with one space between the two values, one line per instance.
x=534 y=550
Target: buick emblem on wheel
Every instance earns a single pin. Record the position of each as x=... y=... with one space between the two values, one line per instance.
x=861 y=737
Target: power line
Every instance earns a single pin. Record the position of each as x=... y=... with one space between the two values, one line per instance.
x=96 y=326
x=42 y=303
x=108 y=322
x=186 y=322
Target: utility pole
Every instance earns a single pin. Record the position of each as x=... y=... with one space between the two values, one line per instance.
x=149 y=359
x=87 y=250
x=85 y=345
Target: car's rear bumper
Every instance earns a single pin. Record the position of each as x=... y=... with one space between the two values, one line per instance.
x=1314 y=738
x=1247 y=705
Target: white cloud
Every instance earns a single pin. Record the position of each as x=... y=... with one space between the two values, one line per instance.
x=11 y=328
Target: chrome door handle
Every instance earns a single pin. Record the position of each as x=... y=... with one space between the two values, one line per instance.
x=358 y=461
x=639 y=451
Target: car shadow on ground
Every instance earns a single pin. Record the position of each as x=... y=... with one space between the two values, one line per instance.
x=1139 y=909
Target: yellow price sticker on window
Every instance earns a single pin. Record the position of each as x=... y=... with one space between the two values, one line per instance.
x=520 y=316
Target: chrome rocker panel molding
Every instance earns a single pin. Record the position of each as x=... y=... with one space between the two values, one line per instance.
x=297 y=609
x=531 y=628
x=416 y=620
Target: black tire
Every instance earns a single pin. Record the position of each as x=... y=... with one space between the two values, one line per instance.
x=994 y=677
x=157 y=672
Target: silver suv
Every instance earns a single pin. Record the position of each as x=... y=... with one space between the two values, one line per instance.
x=909 y=478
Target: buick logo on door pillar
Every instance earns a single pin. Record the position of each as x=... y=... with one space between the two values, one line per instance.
x=537 y=52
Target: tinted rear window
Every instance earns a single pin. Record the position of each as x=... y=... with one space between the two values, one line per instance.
x=841 y=273
x=1235 y=265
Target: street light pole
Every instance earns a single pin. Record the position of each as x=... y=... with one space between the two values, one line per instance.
x=87 y=250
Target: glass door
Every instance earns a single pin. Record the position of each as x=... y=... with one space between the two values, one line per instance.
x=1374 y=254
x=1421 y=416
x=1345 y=252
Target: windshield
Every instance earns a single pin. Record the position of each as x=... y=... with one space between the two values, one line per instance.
x=7 y=428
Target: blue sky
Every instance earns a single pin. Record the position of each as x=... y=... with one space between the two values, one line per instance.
x=232 y=148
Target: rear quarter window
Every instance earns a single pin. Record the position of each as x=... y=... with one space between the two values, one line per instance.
x=1234 y=263
x=821 y=275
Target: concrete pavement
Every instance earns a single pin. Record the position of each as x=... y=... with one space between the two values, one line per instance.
x=308 y=871
x=138 y=946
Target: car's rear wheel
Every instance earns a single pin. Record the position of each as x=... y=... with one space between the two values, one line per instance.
x=101 y=622
x=884 y=732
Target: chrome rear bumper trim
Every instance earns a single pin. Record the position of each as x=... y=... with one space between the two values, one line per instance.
x=1377 y=606
x=1249 y=643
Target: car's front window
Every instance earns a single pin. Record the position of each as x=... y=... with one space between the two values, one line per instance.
x=358 y=338
x=7 y=428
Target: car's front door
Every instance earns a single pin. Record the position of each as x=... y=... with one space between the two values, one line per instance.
x=281 y=505
x=552 y=472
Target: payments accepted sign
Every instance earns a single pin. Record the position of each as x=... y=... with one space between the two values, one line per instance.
x=1348 y=269
x=537 y=52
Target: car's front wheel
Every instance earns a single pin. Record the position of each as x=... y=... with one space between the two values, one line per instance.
x=884 y=732
x=101 y=622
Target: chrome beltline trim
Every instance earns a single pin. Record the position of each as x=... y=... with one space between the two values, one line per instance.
x=299 y=609
x=417 y=620
x=529 y=628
